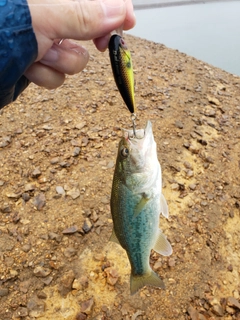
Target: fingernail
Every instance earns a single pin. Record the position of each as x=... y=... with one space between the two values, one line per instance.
x=80 y=50
x=51 y=55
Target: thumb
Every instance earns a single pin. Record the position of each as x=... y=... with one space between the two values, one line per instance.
x=78 y=20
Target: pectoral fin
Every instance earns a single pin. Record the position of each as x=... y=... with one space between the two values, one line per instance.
x=162 y=246
x=164 y=206
x=114 y=238
x=139 y=207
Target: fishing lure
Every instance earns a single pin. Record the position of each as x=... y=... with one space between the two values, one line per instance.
x=121 y=63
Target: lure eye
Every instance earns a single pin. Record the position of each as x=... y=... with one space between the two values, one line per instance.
x=125 y=152
x=123 y=44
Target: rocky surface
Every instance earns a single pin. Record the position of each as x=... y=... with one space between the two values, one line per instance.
x=57 y=155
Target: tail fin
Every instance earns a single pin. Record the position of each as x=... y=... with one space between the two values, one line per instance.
x=149 y=279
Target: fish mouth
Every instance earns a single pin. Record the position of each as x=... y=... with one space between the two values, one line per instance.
x=138 y=134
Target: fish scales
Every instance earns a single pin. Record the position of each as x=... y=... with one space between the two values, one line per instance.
x=136 y=202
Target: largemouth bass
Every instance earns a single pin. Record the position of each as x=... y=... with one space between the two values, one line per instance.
x=136 y=203
x=121 y=63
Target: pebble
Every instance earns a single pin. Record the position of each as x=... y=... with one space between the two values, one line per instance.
x=29 y=187
x=179 y=124
x=70 y=252
x=36 y=307
x=40 y=271
x=55 y=236
x=112 y=275
x=232 y=302
x=87 y=225
x=25 y=196
x=76 y=151
x=74 y=193
x=194 y=315
x=39 y=201
x=26 y=247
x=20 y=312
x=65 y=283
x=6 y=208
x=81 y=316
x=60 y=190
x=192 y=186
x=87 y=305
x=3 y=292
x=55 y=160
x=70 y=230
x=36 y=173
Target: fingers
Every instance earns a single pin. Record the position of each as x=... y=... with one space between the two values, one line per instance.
x=67 y=58
x=44 y=76
x=79 y=20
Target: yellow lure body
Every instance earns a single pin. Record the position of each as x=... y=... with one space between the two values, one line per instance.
x=121 y=63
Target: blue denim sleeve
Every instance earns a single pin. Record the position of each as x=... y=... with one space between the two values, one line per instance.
x=18 y=48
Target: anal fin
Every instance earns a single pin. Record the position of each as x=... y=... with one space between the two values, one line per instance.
x=162 y=245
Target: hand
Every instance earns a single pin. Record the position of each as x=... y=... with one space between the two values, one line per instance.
x=53 y=20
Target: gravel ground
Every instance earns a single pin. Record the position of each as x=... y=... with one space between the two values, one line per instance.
x=57 y=155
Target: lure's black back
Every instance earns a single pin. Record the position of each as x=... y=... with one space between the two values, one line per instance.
x=121 y=63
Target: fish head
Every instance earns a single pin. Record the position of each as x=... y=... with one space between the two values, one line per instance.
x=137 y=152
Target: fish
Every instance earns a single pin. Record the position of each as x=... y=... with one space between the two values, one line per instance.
x=121 y=63
x=136 y=203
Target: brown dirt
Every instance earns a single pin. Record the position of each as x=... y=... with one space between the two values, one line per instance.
x=67 y=138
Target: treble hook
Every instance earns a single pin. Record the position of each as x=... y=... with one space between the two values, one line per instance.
x=133 y=118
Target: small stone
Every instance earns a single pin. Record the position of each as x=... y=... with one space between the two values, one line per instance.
x=40 y=271
x=70 y=230
x=87 y=226
x=110 y=164
x=112 y=275
x=217 y=310
x=81 y=316
x=55 y=160
x=36 y=307
x=105 y=200
x=39 y=201
x=80 y=125
x=60 y=190
x=6 y=208
x=76 y=151
x=73 y=193
x=29 y=187
x=171 y=262
x=188 y=165
x=47 y=280
x=36 y=173
x=192 y=186
x=232 y=302
x=179 y=124
x=21 y=312
x=87 y=305
x=26 y=247
x=26 y=197
x=54 y=236
x=213 y=100
x=42 y=295
x=175 y=186
x=69 y=252
x=194 y=315
x=1 y=183
x=3 y=292
x=66 y=282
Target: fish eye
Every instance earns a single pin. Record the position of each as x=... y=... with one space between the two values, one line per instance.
x=125 y=152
